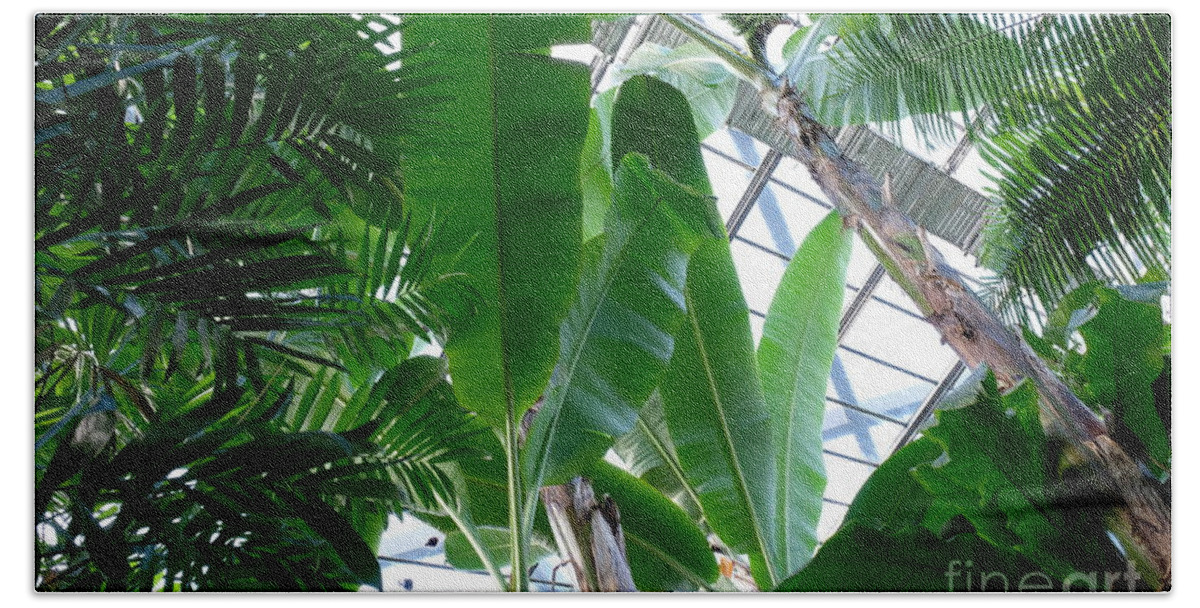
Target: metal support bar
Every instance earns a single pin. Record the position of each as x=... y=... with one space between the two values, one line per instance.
x=757 y=183
x=967 y=142
x=860 y=300
x=631 y=39
x=930 y=402
x=862 y=410
x=888 y=364
x=855 y=459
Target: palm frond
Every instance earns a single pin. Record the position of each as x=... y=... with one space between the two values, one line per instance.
x=1086 y=195
x=1077 y=128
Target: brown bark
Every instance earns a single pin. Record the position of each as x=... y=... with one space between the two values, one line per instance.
x=588 y=534
x=972 y=330
x=587 y=531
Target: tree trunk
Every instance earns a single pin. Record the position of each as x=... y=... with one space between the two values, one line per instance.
x=973 y=331
x=588 y=534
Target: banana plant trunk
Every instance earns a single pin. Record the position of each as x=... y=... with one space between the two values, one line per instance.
x=974 y=332
x=588 y=534
x=587 y=531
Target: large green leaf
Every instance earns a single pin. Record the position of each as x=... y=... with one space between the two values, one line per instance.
x=647 y=116
x=595 y=178
x=502 y=174
x=650 y=455
x=892 y=499
x=666 y=551
x=716 y=414
x=862 y=559
x=1122 y=368
x=711 y=89
x=1122 y=361
x=980 y=492
x=480 y=500
x=794 y=359
x=617 y=340
x=1002 y=475
x=651 y=117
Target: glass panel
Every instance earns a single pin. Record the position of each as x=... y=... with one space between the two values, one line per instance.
x=729 y=181
x=791 y=172
x=899 y=339
x=759 y=273
x=857 y=434
x=890 y=291
x=876 y=387
x=862 y=262
x=780 y=219
x=973 y=173
x=845 y=477
x=756 y=328
x=831 y=519
x=957 y=259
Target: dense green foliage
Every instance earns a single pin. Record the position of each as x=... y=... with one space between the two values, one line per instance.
x=225 y=307
x=986 y=483
x=248 y=229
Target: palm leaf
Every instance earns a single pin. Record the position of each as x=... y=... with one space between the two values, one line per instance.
x=1076 y=129
x=1087 y=195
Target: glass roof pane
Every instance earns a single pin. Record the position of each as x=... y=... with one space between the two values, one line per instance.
x=728 y=180
x=738 y=145
x=974 y=173
x=780 y=219
x=831 y=517
x=759 y=273
x=858 y=434
x=796 y=175
x=889 y=291
x=876 y=386
x=900 y=339
x=965 y=263
x=849 y=476
x=756 y=328
x=862 y=262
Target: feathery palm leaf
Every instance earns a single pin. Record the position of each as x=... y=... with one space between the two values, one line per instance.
x=194 y=313
x=1077 y=128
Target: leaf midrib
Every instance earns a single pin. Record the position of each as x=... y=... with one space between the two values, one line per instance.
x=671 y=463
x=736 y=462
x=552 y=426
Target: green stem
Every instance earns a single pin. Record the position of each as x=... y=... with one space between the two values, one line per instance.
x=471 y=533
x=519 y=579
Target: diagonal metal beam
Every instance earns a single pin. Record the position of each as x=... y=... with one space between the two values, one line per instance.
x=759 y=181
x=860 y=300
x=928 y=405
